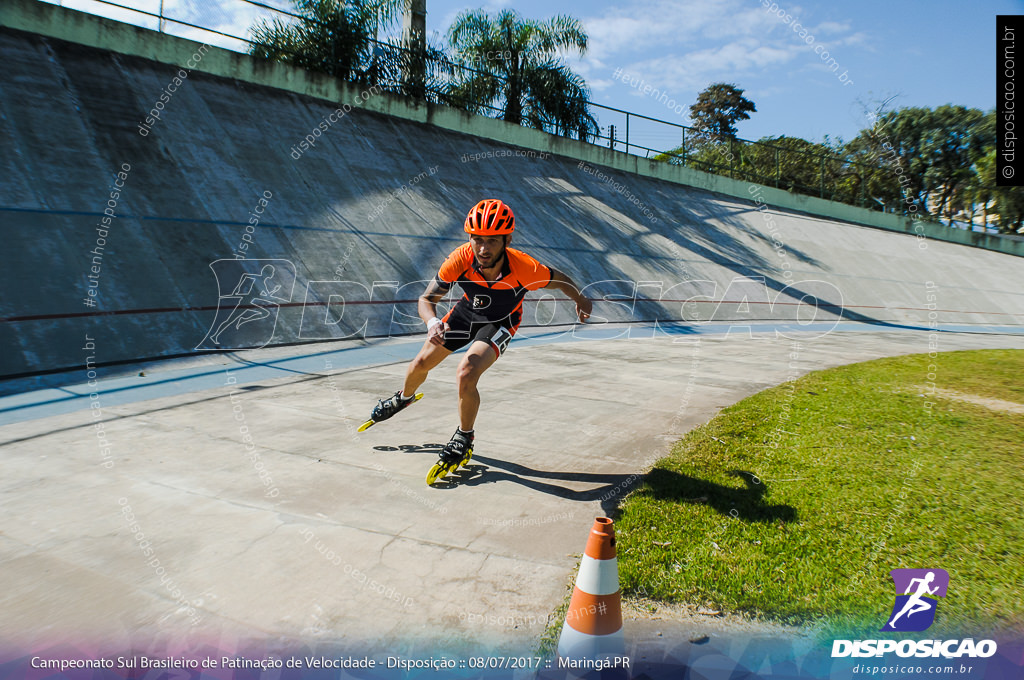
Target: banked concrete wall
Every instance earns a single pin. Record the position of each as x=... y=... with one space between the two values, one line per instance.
x=339 y=237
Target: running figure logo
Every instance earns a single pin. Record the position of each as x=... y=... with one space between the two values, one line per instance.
x=250 y=296
x=914 y=609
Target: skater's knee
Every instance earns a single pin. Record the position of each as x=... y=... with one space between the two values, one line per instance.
x=467 y=376
x=421 y=364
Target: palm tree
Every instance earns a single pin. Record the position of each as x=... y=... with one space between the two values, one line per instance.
x=511 y=65
x=331 y=36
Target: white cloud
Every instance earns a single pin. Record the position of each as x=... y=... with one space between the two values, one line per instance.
x=645 y=24
x=697 y=69
x=699 y=42
x=858 y=38
x=826 y=27
x=766 y=92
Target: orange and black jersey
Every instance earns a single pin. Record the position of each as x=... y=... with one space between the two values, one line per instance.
x=493 y=300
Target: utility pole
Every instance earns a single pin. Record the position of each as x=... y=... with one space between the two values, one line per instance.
x=414 y=40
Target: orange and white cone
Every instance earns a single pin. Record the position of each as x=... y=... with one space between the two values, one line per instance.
x=593 y=624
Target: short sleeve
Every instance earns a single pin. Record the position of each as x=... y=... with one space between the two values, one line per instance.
x=453 y=267
x=532 y=274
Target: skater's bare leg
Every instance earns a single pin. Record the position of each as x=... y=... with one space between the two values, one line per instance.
x=478 y=359
x=430 y=356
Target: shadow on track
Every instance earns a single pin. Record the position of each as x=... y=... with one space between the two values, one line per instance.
x=485 y=470
x=746 y=503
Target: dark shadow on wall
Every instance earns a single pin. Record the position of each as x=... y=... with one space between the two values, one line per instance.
x=692 y=220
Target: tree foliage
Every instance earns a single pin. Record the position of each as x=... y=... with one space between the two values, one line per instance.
x=937 y=162
x=501 y=62
x=931 y=153
x=516 y=70
x=1007 y=202
x=941 y=161
x=332 y=37
x=717 y=110
x=338 y=37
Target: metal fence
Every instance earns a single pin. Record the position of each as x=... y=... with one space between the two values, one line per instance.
x=444 y=81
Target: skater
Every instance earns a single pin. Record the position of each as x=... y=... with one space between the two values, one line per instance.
x=494 y=279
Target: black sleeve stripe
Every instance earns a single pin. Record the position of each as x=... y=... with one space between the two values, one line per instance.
x=441 y=283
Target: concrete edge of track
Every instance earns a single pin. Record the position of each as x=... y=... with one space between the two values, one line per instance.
x=34 y=397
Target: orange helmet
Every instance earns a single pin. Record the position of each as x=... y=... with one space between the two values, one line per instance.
x=490 y=217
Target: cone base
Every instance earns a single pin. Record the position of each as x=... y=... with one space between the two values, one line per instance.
x=573 y=644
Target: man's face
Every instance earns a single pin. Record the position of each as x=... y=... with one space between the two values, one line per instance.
x=488 y=249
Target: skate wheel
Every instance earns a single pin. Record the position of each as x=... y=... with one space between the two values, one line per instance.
x=437 y=473
x=465 y=461
x=366 y=426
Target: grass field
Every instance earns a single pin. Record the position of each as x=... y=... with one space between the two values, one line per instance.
x=795 y=504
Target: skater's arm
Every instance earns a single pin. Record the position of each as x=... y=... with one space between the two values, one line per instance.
x=562 y=282
x=427 y=308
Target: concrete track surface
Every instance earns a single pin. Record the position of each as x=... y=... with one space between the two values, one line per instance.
x=340 y=539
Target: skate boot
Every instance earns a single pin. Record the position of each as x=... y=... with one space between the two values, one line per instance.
x=386 y=408
x=455 y=454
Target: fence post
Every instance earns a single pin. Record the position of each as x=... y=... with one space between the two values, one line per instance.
x=611 y=137
x=627 y=132
x=414 y=31
x=823 y=176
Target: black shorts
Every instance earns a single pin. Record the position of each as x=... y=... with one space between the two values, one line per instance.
x=465 y=326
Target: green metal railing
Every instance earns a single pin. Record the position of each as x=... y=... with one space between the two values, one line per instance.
x=385 y=64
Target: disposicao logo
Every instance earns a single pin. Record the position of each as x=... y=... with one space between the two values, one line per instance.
x=914 y=611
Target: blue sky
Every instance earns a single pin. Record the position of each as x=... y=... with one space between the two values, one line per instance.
x=927 y=53
x=924 y=53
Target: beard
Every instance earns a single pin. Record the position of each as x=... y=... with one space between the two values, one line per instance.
x=496 y=259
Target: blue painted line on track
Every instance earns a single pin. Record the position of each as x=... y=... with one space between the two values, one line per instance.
x=121 y=390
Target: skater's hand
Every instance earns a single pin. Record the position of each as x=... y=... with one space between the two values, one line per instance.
x=436 y=333
x=583 y=309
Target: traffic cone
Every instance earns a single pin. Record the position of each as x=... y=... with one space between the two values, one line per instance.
x=593 y=624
